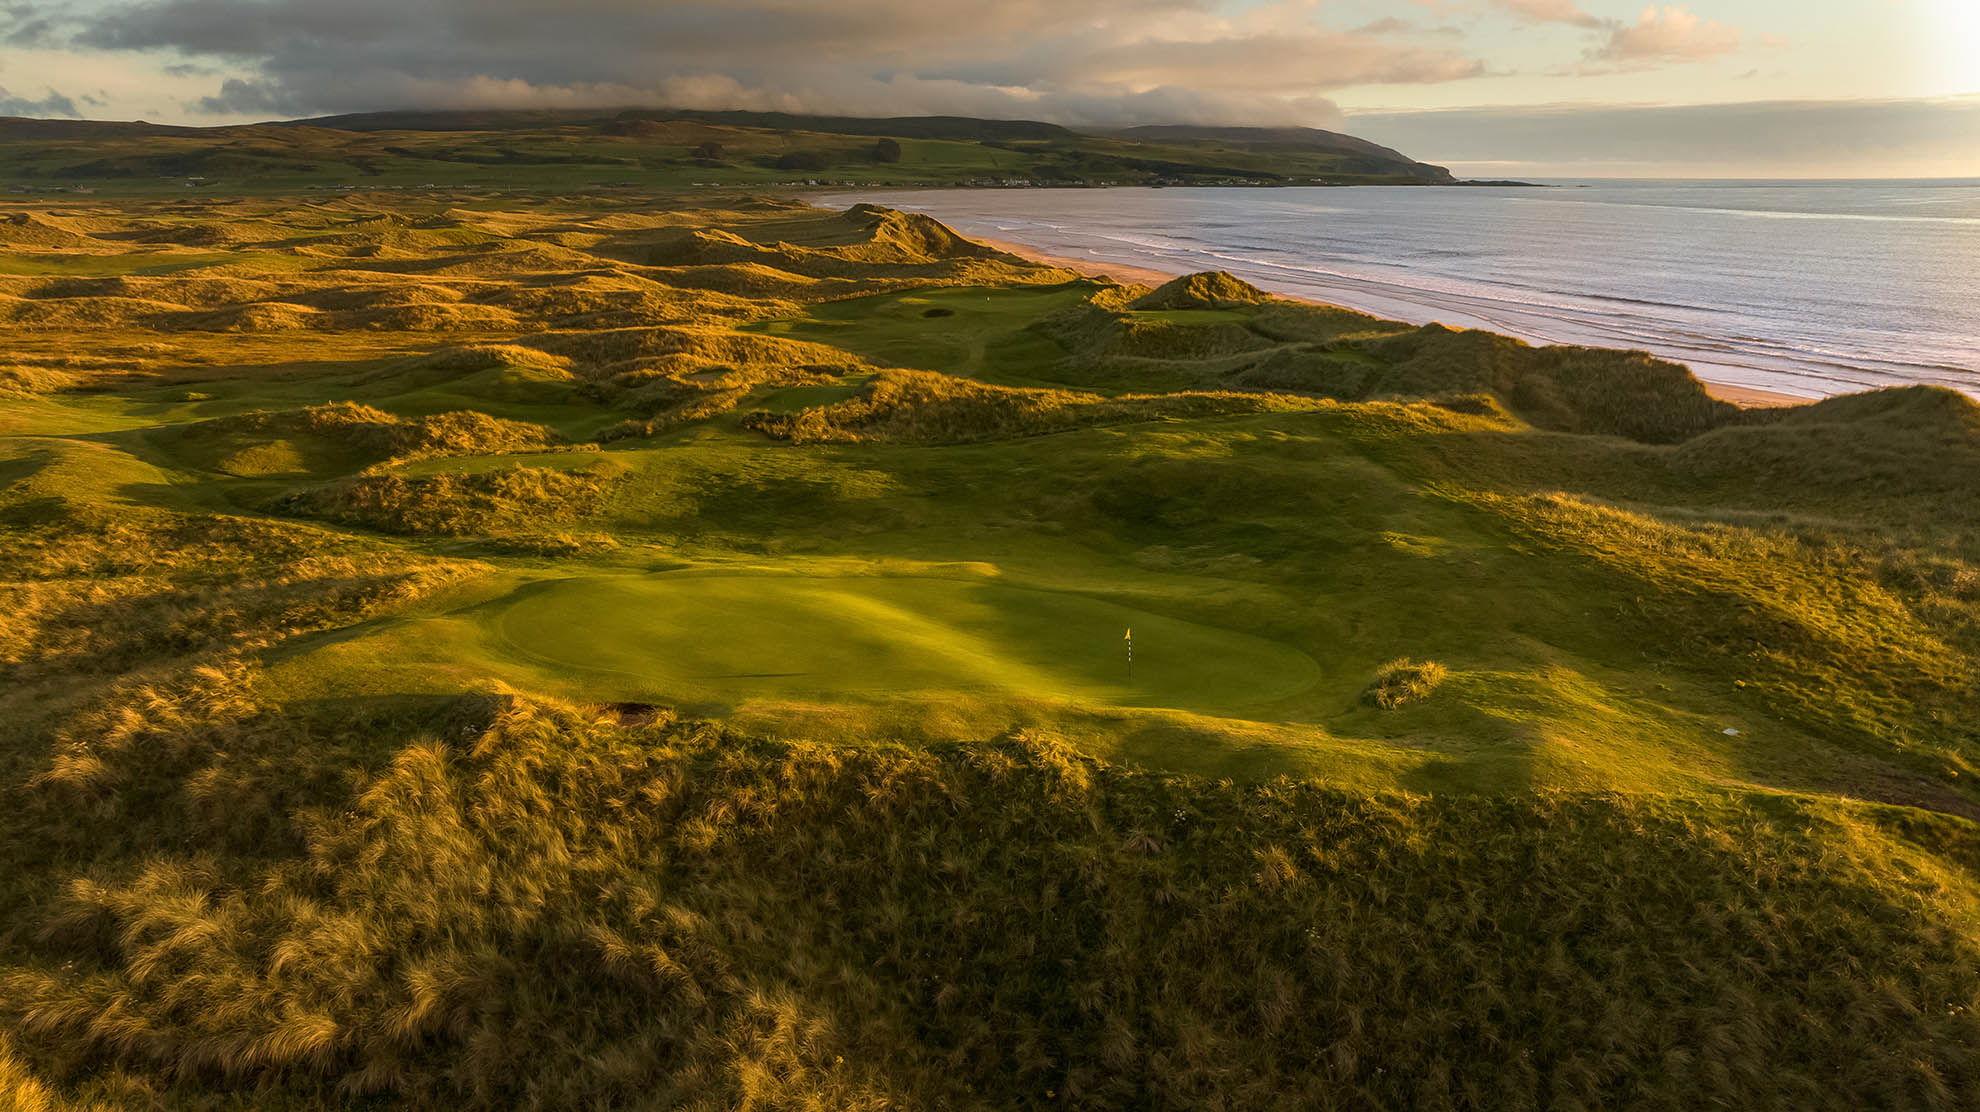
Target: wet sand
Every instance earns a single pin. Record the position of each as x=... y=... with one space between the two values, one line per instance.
x=1096 y=268
x=1747 y=397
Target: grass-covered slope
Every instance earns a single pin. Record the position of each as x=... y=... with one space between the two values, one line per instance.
x=590 y=652
x=530 y=906
x=667 y=149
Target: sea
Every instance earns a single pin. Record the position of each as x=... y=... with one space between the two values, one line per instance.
x=1806 y=288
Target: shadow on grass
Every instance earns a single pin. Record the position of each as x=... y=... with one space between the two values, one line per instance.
x=1498 y=759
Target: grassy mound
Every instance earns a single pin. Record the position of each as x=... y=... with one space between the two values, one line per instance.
x=864 y=243
x=19 y=381
x=666 y=377
x=347 y=298
x=1405 y=681
x=1211 y=289
x=1856 y=660
x=175 y=290
x=1201 y=342
x=95 y=312
x=1569 y=389
x=194 y=235
x=921 y=407
x=611 y=350
x=1895 y=455
x=892 y=236
x=87 y=595
x=343 y=435
x=259 y=317
x=30 y=231
x=469 y=358
x=1919 y=410
x=514 y=499
x=751 y=281
x=677 y=392
x=689 y=247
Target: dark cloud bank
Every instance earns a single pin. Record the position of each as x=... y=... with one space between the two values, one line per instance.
x=53 y=105
x=1078 y=62
x=1073 y=61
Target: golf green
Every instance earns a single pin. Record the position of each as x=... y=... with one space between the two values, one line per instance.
x=756 y=636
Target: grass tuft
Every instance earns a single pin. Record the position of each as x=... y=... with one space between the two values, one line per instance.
x=1404 y=681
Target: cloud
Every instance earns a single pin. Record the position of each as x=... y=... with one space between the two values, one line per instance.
x=1387 y=25
x=1075 y=61
x=1274 y=64
x=1865 y=138
x=239 y=97
x=1672 y=33
x=1552 y=11
x=52 y=105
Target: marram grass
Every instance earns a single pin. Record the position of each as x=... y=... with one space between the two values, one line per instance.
x=531 y=906
x=502 y=650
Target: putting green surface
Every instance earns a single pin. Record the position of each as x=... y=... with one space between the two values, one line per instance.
x=757 y=636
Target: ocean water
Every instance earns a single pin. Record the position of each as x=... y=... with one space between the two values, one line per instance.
x=1805 y=288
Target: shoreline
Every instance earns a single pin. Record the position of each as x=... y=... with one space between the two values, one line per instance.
x=1746 y=397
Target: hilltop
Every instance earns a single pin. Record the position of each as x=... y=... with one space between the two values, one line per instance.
x=614 y=649
x=1355 y=151
x=658 y=149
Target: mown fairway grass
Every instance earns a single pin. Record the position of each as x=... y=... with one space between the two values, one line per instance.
x=722 y=636
x=579 y=652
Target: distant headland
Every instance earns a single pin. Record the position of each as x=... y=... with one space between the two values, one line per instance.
x=651 y=148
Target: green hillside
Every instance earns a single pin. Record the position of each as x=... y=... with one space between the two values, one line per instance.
x=674 y=149
x=611 y=650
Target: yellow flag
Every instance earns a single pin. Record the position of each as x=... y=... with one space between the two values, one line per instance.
x=1130 y=636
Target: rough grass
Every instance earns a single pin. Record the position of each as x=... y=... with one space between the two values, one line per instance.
x=264 y=846
x=544 y=909
x=457 y=504
x=84 y=594
x=1801 y=627
x=1404 y=681
x=364 y=432
x=17 y=381
x=922 y=407
x=1194 y=339
x=21 y=1091
x=1210 y=290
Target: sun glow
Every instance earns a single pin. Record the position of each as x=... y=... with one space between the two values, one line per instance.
x=1952 y=30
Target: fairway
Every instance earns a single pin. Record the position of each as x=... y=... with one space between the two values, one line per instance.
x=754 y=636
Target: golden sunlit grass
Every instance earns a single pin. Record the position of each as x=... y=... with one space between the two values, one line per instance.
x=516 y=651
x=931 y=408
x=1405 y=681
x=536 y=904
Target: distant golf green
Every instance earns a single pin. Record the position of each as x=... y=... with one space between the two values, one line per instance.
x=783 y=636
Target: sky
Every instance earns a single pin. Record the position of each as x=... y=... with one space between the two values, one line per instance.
x=1533 y=88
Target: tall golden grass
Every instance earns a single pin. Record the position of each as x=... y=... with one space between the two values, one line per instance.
x=924 y=407
x=526 y=904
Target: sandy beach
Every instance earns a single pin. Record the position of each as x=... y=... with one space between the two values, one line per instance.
x=1747 y=397
x=1119 y=272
